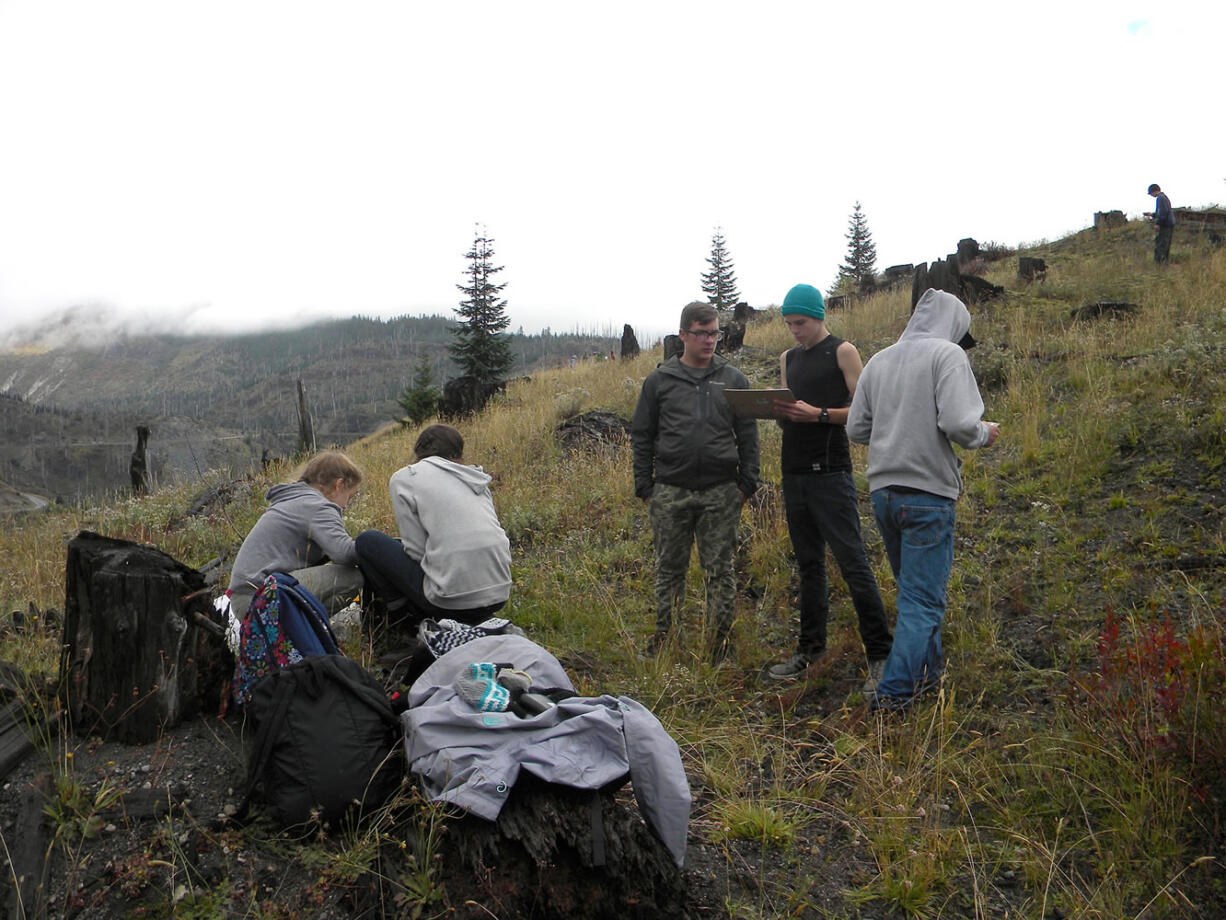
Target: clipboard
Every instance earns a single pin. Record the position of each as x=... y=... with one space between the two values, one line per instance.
x=757 y=403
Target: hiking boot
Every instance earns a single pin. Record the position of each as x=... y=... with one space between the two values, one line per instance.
x=791 y=669
x=875 y=670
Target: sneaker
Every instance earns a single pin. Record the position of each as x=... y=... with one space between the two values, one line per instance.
x=792 y=668
x=875 y=670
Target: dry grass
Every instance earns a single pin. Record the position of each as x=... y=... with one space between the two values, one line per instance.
x=994 y=800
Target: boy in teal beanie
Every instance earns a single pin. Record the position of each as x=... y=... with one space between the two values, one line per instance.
x=819 y=494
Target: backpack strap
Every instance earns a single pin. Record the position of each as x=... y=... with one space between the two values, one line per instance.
x=286 y=684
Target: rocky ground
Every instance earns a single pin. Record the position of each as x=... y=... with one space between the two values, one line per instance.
x=116 y=831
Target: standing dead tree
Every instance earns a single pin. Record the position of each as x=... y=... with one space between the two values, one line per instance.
x=306 y=429
x=138 y=468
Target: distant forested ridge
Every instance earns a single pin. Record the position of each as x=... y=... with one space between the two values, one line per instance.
x=68 y=415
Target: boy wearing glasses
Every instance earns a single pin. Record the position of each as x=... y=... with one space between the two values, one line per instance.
x=695 y=463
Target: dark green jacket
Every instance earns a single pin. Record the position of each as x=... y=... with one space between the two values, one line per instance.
x=685 y=434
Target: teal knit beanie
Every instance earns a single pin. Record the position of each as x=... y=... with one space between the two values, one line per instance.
x=806 y=299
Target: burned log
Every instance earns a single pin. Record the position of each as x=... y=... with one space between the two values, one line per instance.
x=129 y=665
x=630 y=343
x=1103 y=308
x=597 y=428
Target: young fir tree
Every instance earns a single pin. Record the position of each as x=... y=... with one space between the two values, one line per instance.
x=481 y=349
x=861 y=261
x=719 y=284
x=419 y=399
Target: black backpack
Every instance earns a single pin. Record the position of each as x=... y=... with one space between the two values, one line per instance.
x=326 y=742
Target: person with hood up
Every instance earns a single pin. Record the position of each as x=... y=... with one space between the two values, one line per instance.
x=453 y=559
x=301 y=534
x=914 y=401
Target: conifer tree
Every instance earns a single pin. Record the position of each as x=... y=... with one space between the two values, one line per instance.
x=419 y=399
x=719 y=284
x=481 y=349
x=861 y=261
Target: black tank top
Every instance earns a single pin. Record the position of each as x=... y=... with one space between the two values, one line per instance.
x=814 y=376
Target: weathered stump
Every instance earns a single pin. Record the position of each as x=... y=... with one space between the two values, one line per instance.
x=1105 y=220
x=1030 y=268
x=128 y=666
x=630 y=343
x=597 y=428
x=466 y=394
x=672 y=346
x=542 y=858
x=968 y=251
x=734 y=338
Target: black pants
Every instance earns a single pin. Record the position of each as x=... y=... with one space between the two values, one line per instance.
x=397 y=578
x=1162 y=244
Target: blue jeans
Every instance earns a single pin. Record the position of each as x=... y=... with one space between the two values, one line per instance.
x=821 y=511
x=918 y=532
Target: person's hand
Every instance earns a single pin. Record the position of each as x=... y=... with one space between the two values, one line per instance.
x=797 y=411
x=993 y=432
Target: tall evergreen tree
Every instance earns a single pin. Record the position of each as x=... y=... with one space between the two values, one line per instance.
x=719 y=284
x=861 y=261
x=481 y=349
x=419 y=399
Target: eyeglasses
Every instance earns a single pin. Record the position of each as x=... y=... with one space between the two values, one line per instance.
x=710 y=336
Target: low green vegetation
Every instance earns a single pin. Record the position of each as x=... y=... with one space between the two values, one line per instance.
x=1071 y=765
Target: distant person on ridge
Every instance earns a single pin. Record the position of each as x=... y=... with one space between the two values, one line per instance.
x=915 y=400
x=819 y=494
x=696 y=464
x=1164 y=220
x=301 y=534
x=453 y=559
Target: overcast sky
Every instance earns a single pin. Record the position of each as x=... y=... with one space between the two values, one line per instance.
x=217 y=164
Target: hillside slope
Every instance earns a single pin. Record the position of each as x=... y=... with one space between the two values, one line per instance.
x=1071 y=765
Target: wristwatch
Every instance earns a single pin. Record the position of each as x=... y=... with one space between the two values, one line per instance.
x=825 y=416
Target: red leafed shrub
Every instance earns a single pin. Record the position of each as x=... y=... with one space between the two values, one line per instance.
x=1167 y=694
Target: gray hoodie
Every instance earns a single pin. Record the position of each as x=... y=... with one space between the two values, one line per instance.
x=447 y=522
x=301 y=528
x=916 y=397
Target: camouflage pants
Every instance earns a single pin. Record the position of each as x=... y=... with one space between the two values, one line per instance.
x=679 y=518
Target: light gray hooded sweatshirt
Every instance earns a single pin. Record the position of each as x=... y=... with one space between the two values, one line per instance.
x=301 y=528
x=447 y=522
x=917 y=398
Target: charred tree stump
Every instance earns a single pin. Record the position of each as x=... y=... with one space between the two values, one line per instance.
x=630 y=343
x=138 y=468
x=542 y=858
x=128 y=666
x=734 y=338
x=1030 y=268
x=306 y=429
x=672 y=346
x=1105 y=220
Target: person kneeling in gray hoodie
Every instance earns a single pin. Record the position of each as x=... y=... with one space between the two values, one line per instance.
x=453 y=559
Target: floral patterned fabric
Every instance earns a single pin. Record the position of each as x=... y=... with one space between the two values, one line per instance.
x=263 y=646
